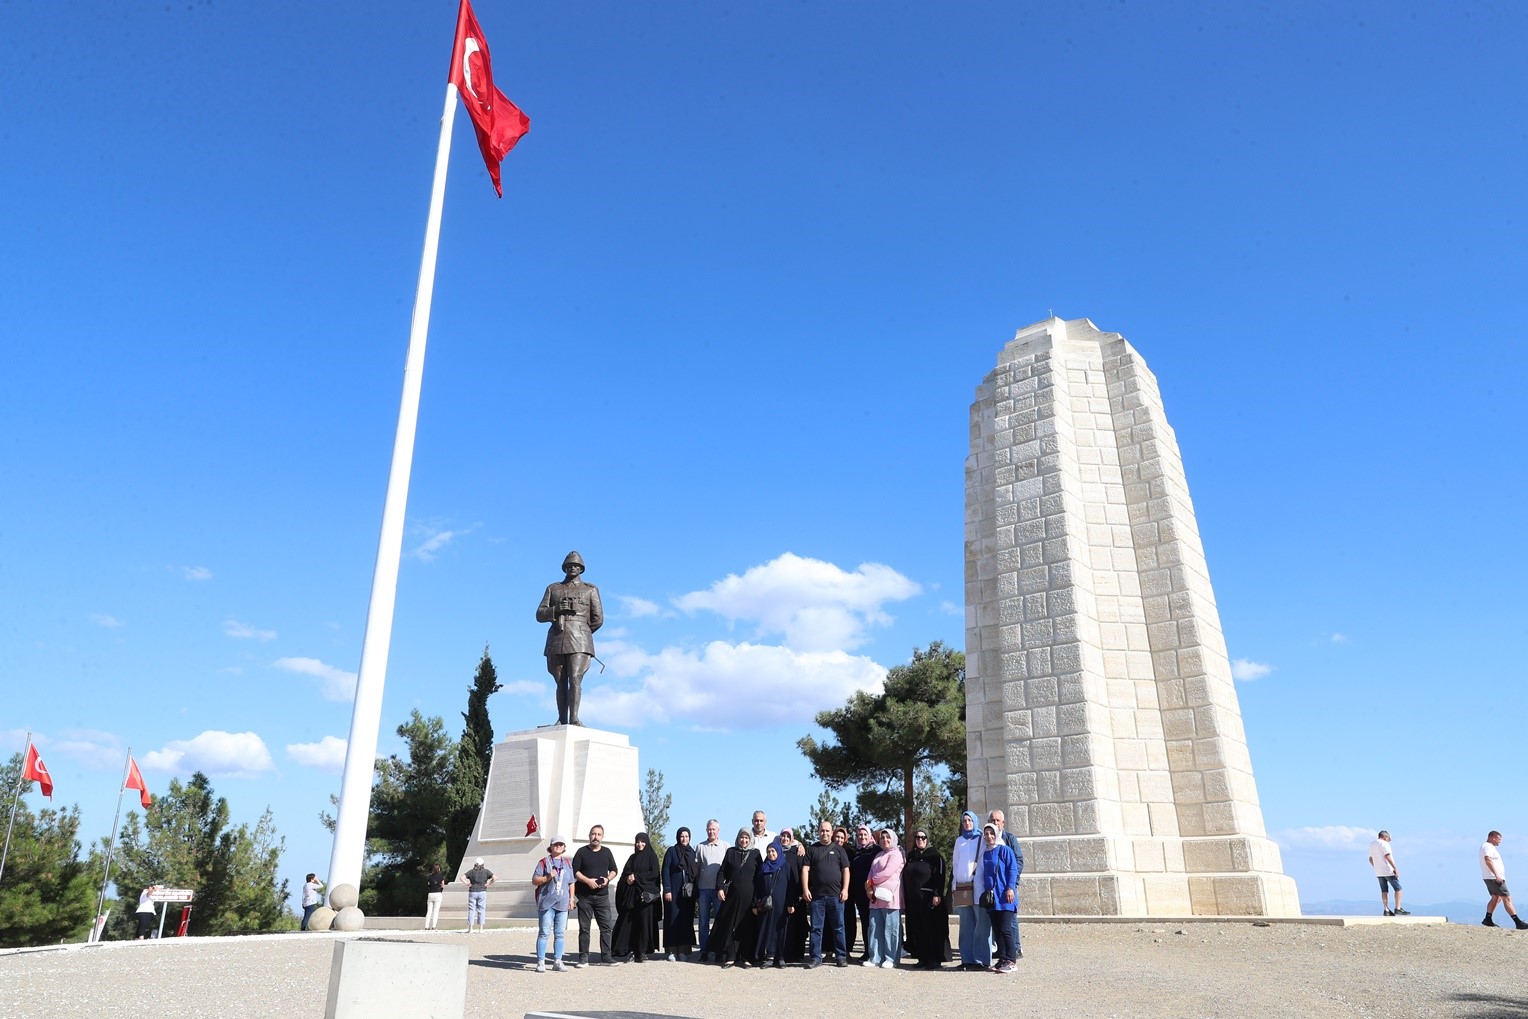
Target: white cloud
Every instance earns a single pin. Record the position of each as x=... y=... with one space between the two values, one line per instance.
x=90 y=747
x=817 y=606
x=102 y=619
x=1339 y=638
x=435 y=541
x=328 y=754
x=526 y=688
x=726 y=685
x=338 y=685
x=196 y=573
x=216 y=753
x=243 y=631
x=636 y=608
x=1247 y=670
x=1332 y=836
x=949 y=608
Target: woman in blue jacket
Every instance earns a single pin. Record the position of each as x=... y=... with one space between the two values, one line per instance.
x=1000 y=896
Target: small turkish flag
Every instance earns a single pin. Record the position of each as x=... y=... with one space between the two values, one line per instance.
x=36 y=771
x=530 y=826
x=135 y=781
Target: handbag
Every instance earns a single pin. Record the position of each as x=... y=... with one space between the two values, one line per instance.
x=964 y=896
x=647 y=896
x=987 y=900
x=883 y=894
x=687 y=890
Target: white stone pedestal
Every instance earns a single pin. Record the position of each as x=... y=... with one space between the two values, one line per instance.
x=569 y=778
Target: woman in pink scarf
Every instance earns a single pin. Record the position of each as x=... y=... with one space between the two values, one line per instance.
x=884 y=887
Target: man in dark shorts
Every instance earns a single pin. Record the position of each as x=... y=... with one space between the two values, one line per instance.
x=594 y=870
x=825 y=887
x=1494 y=872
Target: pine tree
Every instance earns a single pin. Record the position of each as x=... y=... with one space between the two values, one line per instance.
x=474 y=754
x=47 y=894
x=887 y=742
x=184 y=840
x=406 y=832
x=655 y=810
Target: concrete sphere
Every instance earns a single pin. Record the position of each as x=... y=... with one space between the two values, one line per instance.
x=322 y=917
x=343 y=897
x=349 y=919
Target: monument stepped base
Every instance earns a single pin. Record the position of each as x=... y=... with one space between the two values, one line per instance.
x=569 y=778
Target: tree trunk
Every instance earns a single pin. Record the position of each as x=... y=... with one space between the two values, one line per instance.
x=907 y=803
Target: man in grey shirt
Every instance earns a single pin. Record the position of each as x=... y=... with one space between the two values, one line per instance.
x=711 y=852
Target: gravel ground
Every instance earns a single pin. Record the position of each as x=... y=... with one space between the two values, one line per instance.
x=1142 y=969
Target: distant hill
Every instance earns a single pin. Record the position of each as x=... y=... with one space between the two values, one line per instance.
x=1457 y=912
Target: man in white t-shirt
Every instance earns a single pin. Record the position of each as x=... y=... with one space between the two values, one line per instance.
x=1494 y=873
x=1383 y=862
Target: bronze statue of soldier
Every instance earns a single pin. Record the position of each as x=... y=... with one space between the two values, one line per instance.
x=573 y=608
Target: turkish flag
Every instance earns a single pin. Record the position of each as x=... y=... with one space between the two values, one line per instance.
x=135 y=781
x=497 y=121
x=33 y=770
x=530 y=826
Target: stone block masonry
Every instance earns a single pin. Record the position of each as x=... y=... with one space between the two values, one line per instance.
x=1100 y=710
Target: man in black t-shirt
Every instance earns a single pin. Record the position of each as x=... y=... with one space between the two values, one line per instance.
x=594 y=870
x=861 y=855
x=825 y=886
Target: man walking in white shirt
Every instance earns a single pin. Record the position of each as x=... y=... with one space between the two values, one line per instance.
x=1494 y=872
x=1383 y=862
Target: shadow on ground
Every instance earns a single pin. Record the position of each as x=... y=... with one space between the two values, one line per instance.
x=1493 y=1006
x=504 y=961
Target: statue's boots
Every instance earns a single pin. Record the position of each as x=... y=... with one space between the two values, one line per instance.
x=562 y=705
x=573 y=697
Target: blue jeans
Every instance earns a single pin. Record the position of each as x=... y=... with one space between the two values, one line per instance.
x=708 y=907
x=477 y=907
x=1005 y=928
x=830 y=908
x=884 y=939
x=550 y=922
x=307 y=912
x=975 y=936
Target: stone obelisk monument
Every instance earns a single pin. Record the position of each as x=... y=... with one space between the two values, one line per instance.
x=1101 y=712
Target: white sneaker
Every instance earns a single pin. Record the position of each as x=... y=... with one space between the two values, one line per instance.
x=559 y=967
x=671 y=957
x=540 y=966
x=867 y=962
x=888 y=964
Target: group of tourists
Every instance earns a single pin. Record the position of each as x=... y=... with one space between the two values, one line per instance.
x=770 y=899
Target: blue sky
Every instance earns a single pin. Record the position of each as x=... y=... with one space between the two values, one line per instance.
x=751 y=262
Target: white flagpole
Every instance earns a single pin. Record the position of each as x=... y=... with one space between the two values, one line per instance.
x=96 y=928
x=349 y=851
x=15 y=799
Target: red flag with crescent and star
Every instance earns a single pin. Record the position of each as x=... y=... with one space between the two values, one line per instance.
x=135 y=781
x=36 y=771
x=530 y=826
x=499 y=124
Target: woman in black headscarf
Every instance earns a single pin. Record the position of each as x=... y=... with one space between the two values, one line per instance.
x=681 y=869
x=927 y=913
x=776 y=886
x=637 y=898
x=734 y=884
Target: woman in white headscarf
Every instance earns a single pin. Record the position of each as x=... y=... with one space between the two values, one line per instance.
x=884 y=889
